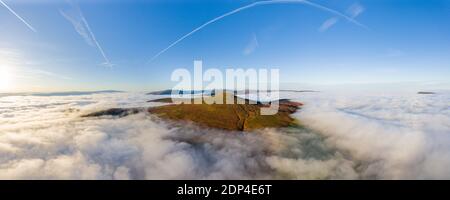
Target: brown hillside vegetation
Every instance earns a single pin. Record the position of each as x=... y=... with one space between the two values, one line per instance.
x=240 y=117
x=243 y=116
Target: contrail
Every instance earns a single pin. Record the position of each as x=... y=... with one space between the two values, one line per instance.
x=259 y=3
x=107 y=62
x=20 y=18
x=81 y=25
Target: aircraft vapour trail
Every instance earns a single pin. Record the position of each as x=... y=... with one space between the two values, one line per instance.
x=107 y=62
x=81 y=25
x=259 y=3
x=20 y=18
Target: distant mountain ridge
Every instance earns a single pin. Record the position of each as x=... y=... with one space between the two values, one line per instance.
x=212 y=92
x=72 y=93
x=169 y=92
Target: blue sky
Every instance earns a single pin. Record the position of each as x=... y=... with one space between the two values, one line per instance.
x=405 y=41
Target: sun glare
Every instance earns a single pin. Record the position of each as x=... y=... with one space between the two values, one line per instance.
x=5 y=78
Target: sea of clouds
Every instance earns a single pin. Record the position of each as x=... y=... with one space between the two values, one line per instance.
x=344 y=136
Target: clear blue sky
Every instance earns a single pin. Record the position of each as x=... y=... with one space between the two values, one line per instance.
x=405 y=41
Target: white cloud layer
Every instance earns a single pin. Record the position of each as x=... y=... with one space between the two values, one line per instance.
x=347 y=137
x=400 y=136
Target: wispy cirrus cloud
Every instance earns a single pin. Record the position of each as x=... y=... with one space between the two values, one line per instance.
x=23 y=68
x=353 y=11
x=17 y=15
x=328 y=24
x=395 y=53
x=251 y=46
x=255 y=4
x=76 y=17
x=44 y=73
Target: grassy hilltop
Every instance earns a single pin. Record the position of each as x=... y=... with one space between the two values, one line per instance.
x=235 y=117
x=241 y=117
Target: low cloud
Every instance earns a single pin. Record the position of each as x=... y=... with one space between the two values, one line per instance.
x=346 y=137
x=390 y=136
